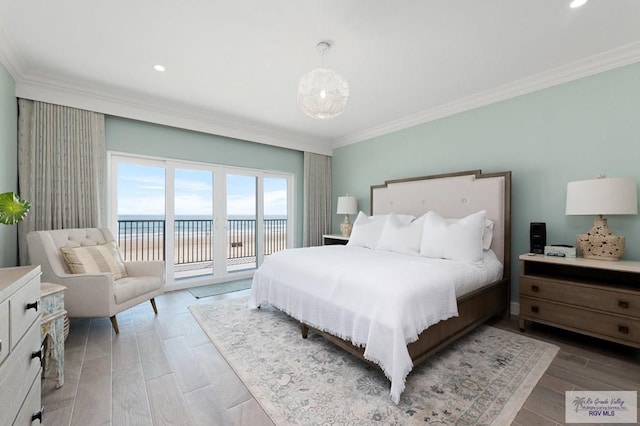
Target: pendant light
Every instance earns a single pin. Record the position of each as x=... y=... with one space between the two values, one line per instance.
x=323 y=93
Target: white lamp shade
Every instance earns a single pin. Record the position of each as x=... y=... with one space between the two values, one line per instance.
x=347 y=205
x=606 y=196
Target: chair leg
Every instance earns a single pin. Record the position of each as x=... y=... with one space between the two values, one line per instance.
x=153 y=304
x=114 y=324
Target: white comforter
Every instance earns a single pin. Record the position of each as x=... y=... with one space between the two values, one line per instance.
x=378 y=299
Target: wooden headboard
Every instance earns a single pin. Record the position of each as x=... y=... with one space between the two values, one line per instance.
x=453 y=195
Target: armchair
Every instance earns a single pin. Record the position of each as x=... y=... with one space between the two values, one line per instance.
x=95 y=294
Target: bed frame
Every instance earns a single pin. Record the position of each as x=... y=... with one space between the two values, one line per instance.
x=450 y=195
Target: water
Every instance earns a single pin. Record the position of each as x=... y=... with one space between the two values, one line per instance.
x=138 y=224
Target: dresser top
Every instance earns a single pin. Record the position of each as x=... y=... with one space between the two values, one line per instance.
x=13 y=278
x=619 y=265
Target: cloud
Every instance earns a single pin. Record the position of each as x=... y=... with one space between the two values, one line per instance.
x=139 y=205
x=193 y=204
x=275 y=202
x=143 y=194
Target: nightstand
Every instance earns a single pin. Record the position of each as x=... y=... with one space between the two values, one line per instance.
x=594 y=297
x=53 y=328
x=331 y=239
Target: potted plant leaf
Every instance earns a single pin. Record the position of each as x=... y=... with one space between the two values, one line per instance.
x=12 y=208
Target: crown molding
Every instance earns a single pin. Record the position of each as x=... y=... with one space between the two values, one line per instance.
x=605 y=61
x=162 y=112
x=7 y=57
x=157 y=111
x=165 y=113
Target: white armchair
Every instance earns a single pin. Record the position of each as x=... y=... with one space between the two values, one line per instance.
x=94 y=295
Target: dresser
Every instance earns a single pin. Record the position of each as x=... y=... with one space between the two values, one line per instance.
x=20 y=346
x=594 y=297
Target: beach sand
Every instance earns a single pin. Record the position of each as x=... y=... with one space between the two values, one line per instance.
x=196 y=249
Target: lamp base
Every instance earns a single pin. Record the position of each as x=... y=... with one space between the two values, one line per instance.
x=346 y=226
x=600 y=243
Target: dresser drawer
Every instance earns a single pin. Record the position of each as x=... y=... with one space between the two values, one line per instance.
x=24 y=309
x=619 y=328
x=30 y=407
x=4 y=330
x=18 y=373
x=585 y=295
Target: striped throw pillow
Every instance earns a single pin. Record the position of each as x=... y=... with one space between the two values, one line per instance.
x=95 y=259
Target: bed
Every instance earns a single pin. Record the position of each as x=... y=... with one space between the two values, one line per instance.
x=394 y=307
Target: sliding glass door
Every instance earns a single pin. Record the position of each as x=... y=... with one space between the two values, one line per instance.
x=140 y=211
x=276 y=214
x=209 y=223
x=241 y=222
x=193 y=223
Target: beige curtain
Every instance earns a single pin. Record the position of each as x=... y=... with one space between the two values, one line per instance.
x=61 y=162
x=317 y=198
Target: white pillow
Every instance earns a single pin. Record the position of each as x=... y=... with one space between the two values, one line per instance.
x=461 y=240
x=487 y=235
x=401 y=237
x=404 y=218
x=366 y=231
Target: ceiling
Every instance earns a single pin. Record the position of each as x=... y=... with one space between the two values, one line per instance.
x=232 y=67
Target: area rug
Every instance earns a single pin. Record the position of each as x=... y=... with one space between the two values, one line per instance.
x=215 y=289
x=484 y=378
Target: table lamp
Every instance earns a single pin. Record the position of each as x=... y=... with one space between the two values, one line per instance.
x=602 y=196
x=347 y=205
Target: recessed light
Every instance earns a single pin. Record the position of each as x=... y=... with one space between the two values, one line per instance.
x=577 y=3
x=158 y=68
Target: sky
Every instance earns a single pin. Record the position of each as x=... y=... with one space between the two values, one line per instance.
x=141 y=191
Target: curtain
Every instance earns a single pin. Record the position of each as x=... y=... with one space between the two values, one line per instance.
x=317 y=198
x=61 y=156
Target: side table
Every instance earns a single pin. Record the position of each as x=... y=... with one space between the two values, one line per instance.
x=52 y=328
x=331 y=239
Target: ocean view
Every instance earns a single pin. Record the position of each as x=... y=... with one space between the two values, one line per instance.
x=132 y=225
x=141 y=217
x=142 y=237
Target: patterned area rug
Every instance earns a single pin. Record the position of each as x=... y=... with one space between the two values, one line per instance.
x=484 y=378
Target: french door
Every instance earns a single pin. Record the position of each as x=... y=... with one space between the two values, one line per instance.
x=208 y=223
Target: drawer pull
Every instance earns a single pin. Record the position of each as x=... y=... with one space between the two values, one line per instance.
x=32 y=305
x=39 y=354
x=535 y=288
x=623 y=304
x=37 y=416
x=624 y=329
x=535 y=309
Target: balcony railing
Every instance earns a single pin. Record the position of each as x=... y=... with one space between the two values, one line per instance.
x=145 y=240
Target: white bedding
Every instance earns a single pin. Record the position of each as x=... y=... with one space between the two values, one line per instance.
x=377 y=299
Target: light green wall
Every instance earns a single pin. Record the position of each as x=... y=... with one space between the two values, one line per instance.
x=8 y=161
x=548 y=138
x=136 y=137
